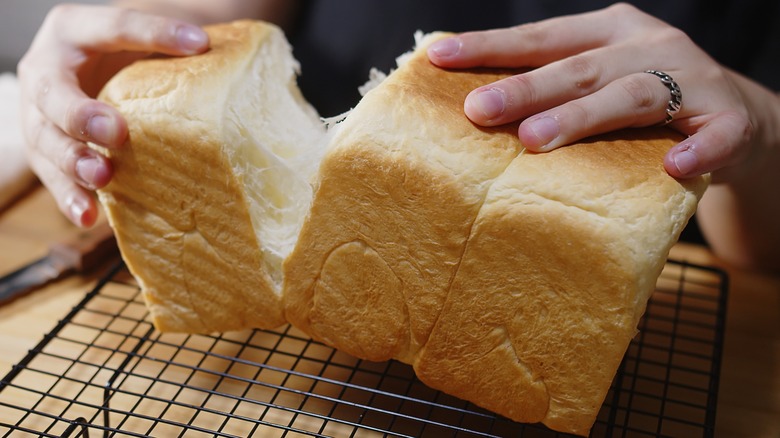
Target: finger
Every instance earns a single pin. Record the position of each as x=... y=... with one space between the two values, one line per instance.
x=632 y=101
x=539 y=43
x=715 y=147
x=55 y=92
x=111 y=29
x=71 y=158
x=520 y=46
x=529 y=93
x=75 y=202
x=57 y=95
x=51 y=82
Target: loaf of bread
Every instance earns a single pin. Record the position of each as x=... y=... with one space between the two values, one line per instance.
x=510 y=279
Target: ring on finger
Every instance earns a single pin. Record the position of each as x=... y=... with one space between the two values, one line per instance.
x=675 y=102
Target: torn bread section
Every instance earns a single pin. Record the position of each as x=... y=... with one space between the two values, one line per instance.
x=209 y=192
x=278 y=143
x=569 y=262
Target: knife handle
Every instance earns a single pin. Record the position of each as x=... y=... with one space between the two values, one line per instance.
x=87 y=249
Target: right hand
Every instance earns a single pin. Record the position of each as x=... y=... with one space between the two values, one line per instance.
x=76 y=50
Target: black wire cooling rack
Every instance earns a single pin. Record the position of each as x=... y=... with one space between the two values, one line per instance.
x=104 y=371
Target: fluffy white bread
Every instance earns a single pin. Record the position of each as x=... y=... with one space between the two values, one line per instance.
x=509 y=279
x=209 y=193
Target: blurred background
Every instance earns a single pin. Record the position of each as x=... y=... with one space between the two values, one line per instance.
x=19 y=21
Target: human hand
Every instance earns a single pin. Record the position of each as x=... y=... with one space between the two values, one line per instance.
x=587 y=76
x=76 y=50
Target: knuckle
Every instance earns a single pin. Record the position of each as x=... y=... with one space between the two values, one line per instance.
x=23 y=67
x=522 y=90
x=131 y=27
x=33 y=133
x=584 y=72
x=29 y=67
x=582 y=113
x=731 y=137
x=72 y=152
x=671 y=36
x=742 y=125
x=748 y=129
x=622 y=9
x=119 y=23
x=530 y=34
x=75 y=120
x=59 y=15
x=633 y=20
x=714 y=74
x=640 y=93
x=61 y=11
x=41 y=90
x=577 y=114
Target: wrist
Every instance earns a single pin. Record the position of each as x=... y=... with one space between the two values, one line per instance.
x=762 y=149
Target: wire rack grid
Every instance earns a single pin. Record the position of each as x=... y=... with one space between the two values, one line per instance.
x=104 y=371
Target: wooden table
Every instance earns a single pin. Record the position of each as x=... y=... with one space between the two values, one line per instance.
x=749 y=396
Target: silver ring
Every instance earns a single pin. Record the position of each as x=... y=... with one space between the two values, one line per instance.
x=675 y=103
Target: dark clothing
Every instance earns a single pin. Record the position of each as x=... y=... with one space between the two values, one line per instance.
x=338 y=41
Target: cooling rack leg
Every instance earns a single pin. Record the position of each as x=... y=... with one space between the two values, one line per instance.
x=108 y=388
x=80 y=422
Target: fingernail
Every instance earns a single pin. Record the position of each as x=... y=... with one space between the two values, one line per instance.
x=446 y=48
x=191 y=38
x=88 y=170
x=101 y=129
x=545 y=129
x=489 y=102
x=685 y=161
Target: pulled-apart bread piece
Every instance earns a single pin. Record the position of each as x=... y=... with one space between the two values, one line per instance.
x=210 y=191
x=510 y=279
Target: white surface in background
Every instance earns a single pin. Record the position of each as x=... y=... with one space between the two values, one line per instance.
x=15 y=175
x=19 y=21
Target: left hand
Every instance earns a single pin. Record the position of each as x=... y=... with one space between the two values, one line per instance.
x=76 y=50
x=588 y=77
